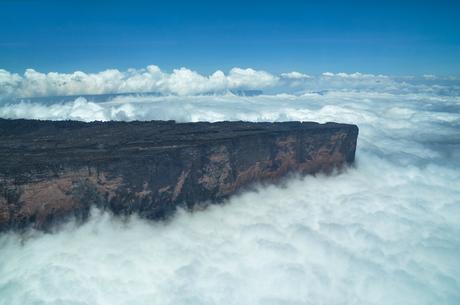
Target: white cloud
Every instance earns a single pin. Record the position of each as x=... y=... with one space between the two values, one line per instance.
x=181 y=81
x=429 y=76
x=251 y=79
x=185 y=82
x=358 y=81
x=9 y=82
x=295 y=75
x=80 y=110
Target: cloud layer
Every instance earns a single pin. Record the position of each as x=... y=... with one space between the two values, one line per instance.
x=181 y=81
x=185 y=82
x=385 y=232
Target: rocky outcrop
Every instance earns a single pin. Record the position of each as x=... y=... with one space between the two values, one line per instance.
x=50 y=170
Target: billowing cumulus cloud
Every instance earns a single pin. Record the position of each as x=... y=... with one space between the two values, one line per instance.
x=181 y=81
x=9 y=83
x=250 y=79
x=185 y=82
x=386 y=231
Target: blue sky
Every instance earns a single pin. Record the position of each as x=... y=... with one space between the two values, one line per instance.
x=390 y=37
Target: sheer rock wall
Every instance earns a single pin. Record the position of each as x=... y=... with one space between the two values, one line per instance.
x=51 y=170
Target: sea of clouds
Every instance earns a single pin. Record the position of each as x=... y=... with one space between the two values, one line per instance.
x=386 y=231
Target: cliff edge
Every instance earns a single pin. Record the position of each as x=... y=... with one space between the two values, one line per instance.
x=50 y=170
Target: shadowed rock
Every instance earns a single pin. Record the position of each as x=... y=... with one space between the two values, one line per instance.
x=50 y=170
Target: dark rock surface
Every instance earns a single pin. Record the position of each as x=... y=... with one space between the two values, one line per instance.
x=50 y=170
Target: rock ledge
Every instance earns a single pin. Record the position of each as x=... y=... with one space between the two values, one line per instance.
x=50 y=170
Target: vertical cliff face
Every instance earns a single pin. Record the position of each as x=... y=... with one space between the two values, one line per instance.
x=51 y=170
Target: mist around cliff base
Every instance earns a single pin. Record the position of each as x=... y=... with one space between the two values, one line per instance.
x=386 y=231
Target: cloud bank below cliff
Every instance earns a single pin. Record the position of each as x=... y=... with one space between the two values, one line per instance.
x=386 y=231
x=379 y=234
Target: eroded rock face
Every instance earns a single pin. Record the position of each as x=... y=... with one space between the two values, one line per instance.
x=52 y=170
